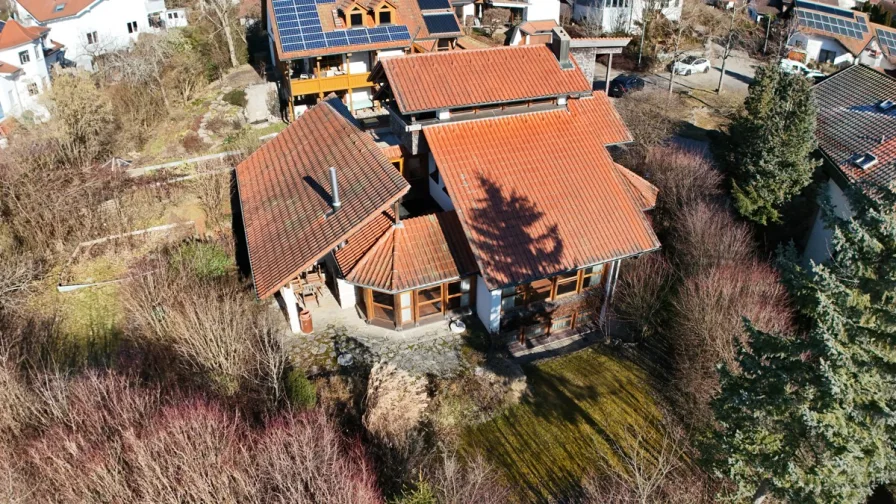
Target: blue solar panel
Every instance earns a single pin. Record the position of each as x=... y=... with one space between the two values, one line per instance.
x=299 y=28
x=433 y=4
x=837 y=26
x=827 y=9
x=441 y=23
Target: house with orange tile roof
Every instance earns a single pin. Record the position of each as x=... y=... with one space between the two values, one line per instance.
x=481 y=195
x=23 y=69
x=88 y=28
x=829 y=34
x=329 y=46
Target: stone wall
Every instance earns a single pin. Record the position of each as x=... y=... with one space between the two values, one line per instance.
x=585 y=57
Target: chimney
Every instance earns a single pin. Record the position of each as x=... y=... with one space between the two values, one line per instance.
x=560 y=47
x=334 y=190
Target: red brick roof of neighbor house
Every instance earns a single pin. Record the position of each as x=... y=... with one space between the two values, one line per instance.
x=643 y=191
x=418 y=252
x=14 y=34
x=285 y=193
x=6 y=68
x=46 y=10
x=450 y=79
x=538 y=194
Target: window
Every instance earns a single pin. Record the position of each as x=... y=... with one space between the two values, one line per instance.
x=561 y=323
x=435 y=175
x=24 y=57
x=132 y=27
x=511 y=297
x=355 y=19
x=92 y=38
x=383 y=306
x=33 y=90
x=567 y=284
x=172 y=15
x=458 y=293
x=385 y=16
x=429 y=301
x=591 y=276
x=825 y=56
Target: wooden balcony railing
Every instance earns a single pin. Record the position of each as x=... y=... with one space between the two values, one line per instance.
x=322 y=85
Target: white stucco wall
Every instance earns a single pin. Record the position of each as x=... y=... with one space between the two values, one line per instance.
x=108 y=18
x=818 y=246
x=14 y=96
x=292 y=309
x=624 y=18
x=814 y=45
x=357 y=62
x=436 y=190
x=540 y=10
x=488 y=306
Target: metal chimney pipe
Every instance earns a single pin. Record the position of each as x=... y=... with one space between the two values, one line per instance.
x=334 y=190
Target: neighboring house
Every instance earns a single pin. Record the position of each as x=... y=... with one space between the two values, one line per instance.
x=520 y=10
x=483 y=194
x=621 y=16
x=837 y=36
x=533 y=32
x=856 y=135
x=764 y=10
x=330 y=46
x=23 y=69
x=88 y=28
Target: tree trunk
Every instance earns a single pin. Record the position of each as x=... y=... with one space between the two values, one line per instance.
x=722 y=74
x=228 y=34
x=672 y=76
x=761 y=492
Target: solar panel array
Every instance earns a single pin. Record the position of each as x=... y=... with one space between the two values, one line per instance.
x=888 y=39
x=835 y=25
x=443 y=22
x=825 y=9
x=298 y=24
x=433 y=4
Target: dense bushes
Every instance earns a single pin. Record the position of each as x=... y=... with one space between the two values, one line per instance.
x=694 y=295
x=237 y=97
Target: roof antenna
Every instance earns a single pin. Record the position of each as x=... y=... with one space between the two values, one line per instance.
x=334 y=186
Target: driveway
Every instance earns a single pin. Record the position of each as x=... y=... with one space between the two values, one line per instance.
x=738 y=74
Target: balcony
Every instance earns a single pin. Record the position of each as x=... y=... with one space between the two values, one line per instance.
x=327 y=82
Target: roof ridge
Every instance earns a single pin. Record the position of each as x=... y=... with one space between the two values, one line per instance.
x=521 y=114
x=467 y=51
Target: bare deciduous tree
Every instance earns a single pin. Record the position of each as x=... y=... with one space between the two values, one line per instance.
x=494 y=18
x=212 y=187
x=467 y=480
x=222 y=13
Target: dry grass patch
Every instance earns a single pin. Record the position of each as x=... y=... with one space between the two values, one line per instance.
x=581 y=408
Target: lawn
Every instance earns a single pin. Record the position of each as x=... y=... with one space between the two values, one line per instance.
x=581 y=407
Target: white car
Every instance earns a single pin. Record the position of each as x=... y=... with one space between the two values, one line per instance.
x=691 y=65
x=795 y=67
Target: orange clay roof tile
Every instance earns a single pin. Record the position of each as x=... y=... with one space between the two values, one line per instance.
x=643 y=192
x=432 y=81
x=532 y=206
x=285 y=195
x=6 y=68
x=48 y=10
x=14 y=34
x=419 y=252
x=358 y=243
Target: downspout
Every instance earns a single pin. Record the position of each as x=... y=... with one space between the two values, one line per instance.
x=608 y=292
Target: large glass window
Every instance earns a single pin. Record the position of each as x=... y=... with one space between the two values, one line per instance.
x=429 y=301
x=458 y=293
x=567 y=284
x=383 y=306
x=592 y=276
x=385 y=16
x=356 y=19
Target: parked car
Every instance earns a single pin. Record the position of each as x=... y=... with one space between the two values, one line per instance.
x=795 y=67
x=623 y=84
x=691 y=65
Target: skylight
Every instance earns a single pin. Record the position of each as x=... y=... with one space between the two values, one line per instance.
x=59 y=7
x=886 y=105
x=864 y=161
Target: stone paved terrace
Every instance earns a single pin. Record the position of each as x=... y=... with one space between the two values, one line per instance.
x=431 y=349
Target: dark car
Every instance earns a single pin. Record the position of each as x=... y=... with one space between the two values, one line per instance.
x=625 y=83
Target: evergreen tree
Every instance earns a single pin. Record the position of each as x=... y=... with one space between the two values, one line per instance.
x=812 y=418
x=770 y=143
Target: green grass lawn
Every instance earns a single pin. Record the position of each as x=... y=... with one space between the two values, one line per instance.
x=581 y=407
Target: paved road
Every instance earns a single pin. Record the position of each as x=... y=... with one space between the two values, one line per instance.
x=739 y=73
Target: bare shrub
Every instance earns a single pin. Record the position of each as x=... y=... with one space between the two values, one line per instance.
x=641 y=290
x=84 y=125
x=653 y=469
x=652 y=116
x=466 y=480
x=494 y=19
x=709 y=313
x=19 y=271
x=211 y=325
x=395 y=403
x=706 y=236
x=192 y=143
x=303 y=458
x=683 y=177
x=212 y=188
x=192 y=452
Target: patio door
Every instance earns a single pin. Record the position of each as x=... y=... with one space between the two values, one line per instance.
x=382 y=307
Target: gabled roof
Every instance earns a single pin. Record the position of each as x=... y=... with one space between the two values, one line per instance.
x=850 y=122
x=13 y=34
x=852 y=29
x=418 y=252
x=7 y=69
x=48 y=10
x=538 y=194
x=538 y=27
x=360 y=242
x=452 y=79
x=285 y=195
x=643 y=192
